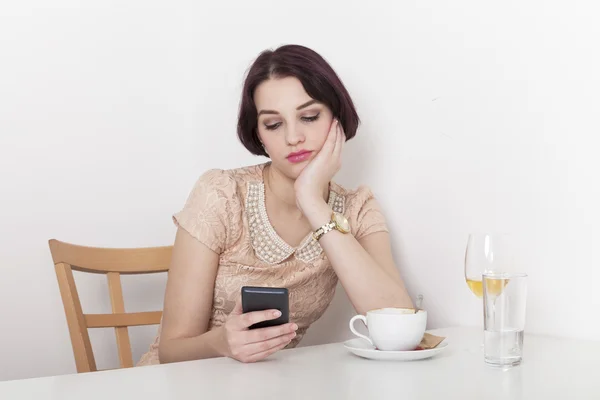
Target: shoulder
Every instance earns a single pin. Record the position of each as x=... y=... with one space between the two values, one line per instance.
x=227 y=182
x=362 y=210
x=251 y=173
x=212 y=188
x=213 y=210
x=214 y=178
x=354 y=198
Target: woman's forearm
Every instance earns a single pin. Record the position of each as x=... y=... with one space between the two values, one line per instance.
x=367 y=284
x=206 y=345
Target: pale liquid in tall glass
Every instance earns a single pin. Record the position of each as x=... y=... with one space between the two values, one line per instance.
x=503 y=348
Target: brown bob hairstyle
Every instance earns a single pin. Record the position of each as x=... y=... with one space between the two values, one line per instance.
x=317 y=77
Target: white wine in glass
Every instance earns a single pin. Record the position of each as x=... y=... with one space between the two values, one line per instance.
x=476 y=287
x=495 y=286
x=487 y=252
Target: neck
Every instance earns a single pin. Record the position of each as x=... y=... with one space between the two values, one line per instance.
x=280 y=187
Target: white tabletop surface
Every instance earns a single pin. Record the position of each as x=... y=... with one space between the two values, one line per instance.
x=552 y=369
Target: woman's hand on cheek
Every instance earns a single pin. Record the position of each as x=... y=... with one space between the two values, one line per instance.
x=320 y=170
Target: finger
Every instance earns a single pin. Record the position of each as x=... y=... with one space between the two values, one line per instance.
x=263 y=334
x=251 y=318
x=264 y=354
x=332 y=126
x=259 y=347
x=339 y=143
x=331 y=137
x=342 y=133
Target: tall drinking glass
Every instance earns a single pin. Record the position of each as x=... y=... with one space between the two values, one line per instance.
x=504 y=306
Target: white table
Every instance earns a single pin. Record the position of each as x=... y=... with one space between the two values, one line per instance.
x=552 y=369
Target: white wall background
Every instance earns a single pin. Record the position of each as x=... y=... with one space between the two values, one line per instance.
x=476 y=116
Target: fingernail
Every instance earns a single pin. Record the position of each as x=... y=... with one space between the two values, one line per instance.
x=276 y=314
x=294 y=327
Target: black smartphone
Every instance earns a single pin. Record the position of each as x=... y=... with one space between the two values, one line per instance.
x=256 y=298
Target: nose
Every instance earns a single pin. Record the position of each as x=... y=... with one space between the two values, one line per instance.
x=294 y=135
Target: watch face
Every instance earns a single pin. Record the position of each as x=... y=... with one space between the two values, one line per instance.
x=341 y=222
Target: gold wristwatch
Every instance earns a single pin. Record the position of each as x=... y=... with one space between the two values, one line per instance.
x=338 y=222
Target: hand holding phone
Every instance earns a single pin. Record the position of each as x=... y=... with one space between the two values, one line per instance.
x=255 y=298
x=239 y=342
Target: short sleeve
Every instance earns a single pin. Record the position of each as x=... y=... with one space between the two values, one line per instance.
x=210 y=209
x=366 y=215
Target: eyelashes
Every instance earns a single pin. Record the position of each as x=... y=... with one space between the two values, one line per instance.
x=272 y=127
x=313 y=118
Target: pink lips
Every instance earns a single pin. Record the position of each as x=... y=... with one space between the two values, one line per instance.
x=299 y=156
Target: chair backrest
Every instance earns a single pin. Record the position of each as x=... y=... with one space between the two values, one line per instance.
x=111 y=262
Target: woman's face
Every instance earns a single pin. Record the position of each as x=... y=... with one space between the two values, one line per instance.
x=292 y=126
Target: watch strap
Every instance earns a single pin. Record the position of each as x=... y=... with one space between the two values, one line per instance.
x=328 y=227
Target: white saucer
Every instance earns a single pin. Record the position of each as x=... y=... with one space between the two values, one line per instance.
x=364 y=349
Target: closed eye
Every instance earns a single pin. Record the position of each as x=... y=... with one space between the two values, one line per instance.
x=311 y=118
x=272 y=127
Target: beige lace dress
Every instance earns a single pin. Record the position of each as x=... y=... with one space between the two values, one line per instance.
x=226 y=212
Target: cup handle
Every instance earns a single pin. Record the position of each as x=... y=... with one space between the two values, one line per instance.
x=364 y=320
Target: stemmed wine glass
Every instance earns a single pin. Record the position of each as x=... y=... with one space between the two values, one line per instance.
x=487 y=252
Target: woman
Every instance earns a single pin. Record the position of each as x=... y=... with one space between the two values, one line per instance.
x=281 y=224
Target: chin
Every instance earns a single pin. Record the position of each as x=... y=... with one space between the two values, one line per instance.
x=292 y=171
x=295 y=171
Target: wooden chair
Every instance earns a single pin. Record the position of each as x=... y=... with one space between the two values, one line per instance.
x=111 y=262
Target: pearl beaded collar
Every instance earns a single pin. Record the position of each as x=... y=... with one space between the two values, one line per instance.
x=267 y=244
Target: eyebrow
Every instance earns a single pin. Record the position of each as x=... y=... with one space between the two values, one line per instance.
x=300 y=107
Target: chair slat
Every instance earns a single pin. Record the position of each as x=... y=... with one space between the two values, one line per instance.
x=103 y=260
x=116 y=299
x=80 y=339
x=126 y=319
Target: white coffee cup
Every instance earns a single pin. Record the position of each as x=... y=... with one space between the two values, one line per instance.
x=393 y=329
